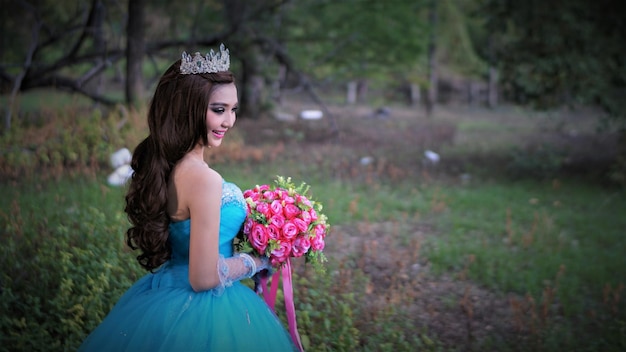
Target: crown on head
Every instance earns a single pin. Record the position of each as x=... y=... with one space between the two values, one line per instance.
x=211 y=63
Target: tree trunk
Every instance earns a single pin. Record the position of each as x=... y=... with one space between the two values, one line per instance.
x=414 y=94
x=135 y=48
x=473 y=93
x=34 y=44
x=492 y=84
x=278 y=84
x=250 y=82
x=351 y=93
x=99 y=42
x=362 y=89
x=618 y=174
x=492 y=99
x=431 y=98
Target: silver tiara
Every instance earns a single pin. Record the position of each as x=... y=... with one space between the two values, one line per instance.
x=211 y=63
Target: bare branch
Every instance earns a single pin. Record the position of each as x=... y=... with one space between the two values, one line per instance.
x=283 y=58
x=94 y=71
x=86 y=28
x=69 y=84
x=17 y=84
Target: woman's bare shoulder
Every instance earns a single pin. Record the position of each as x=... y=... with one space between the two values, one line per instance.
x=193 y=180
x=189 y=170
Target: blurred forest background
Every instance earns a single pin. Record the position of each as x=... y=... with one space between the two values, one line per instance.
x=543 y=54
x=481 y=141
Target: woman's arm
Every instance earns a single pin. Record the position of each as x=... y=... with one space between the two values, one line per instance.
x=203 y=189
x=207 y=270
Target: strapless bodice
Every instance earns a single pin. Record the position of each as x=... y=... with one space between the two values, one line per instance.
x=233 y=213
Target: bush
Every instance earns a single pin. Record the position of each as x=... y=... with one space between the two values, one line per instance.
x=326 y=318
x=61 y=273
x=334 y=314
x=65 y=142
x=541 y=162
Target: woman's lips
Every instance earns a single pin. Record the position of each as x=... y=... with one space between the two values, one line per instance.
x=218 y=134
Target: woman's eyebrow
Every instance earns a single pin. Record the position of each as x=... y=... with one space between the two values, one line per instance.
x=217 y=103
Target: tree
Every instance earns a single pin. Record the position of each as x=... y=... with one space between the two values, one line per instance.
x=63 y=48
x=352 y=40
x=431 y=98
x=69 y=46
x=135 y=48
x=564 y=52
x=355 y=39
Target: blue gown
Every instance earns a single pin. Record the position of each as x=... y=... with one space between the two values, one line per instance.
x=161 y=312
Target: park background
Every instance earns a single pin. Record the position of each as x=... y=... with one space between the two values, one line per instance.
x=470 y=157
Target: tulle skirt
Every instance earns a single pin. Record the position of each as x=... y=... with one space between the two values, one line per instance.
x=161 y=312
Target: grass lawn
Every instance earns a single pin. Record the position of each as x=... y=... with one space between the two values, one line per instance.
x=461 y=258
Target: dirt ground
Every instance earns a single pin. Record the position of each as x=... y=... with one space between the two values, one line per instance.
x=389 y=143
x=392 y=140
x=457 y=312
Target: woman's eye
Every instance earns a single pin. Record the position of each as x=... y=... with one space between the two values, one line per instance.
x=218 y=110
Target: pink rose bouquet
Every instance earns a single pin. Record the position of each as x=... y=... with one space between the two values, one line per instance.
x=283 y=222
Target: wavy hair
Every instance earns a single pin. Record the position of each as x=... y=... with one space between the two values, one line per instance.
x=177 y=122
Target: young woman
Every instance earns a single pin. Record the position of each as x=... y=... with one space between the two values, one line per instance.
x=184 y=217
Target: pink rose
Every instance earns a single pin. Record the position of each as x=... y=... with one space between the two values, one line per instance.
x=288 y=199
x=277 y=220
x=264 y=209
x=262 y=188
x=259 y=237
x=281 y=253
x=300 y=224
x=320 y=230
x=300 y=246
x=304 y=200
x=276 y=207
x=247 y=226
x=289 y=231
x=313 y=214
x=306 y=217
x=318 y=243
x=251 y=196
x=273 y=232
x=291 y=211
x=269 y=195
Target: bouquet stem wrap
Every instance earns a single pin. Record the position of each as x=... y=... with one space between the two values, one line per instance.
x=270 y=299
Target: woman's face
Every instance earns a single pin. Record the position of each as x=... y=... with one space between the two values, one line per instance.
x=221 y=114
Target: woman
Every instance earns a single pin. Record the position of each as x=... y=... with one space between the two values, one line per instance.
x=184 y=217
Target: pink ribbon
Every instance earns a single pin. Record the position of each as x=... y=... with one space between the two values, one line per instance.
x=270 y=299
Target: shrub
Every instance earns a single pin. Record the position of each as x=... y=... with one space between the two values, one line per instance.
x=541 y=162
x=61 y=274
x=65 y=142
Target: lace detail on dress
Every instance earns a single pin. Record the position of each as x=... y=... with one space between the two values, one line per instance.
x=231 y=194
x=235 y=268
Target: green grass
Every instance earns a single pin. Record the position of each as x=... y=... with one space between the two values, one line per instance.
x=576 y=226
x=61 y=197
x=562 y=246
x=63 y=261
x=557 y=243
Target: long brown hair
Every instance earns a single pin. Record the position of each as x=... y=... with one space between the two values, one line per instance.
x=177 y=121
